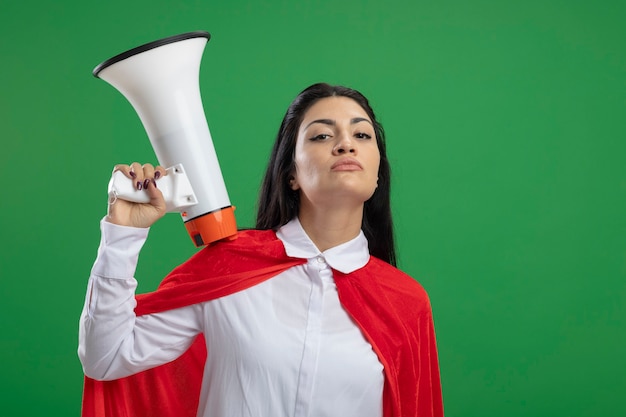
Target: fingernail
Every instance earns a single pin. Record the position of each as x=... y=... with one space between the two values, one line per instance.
x=132 y=174
x=139 y=185
x=154 y=182
x=146 y=183
x=157 y=175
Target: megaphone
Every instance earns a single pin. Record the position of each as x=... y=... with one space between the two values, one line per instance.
x=160 y=79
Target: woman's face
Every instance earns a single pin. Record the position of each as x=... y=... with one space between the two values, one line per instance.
x=336 y=154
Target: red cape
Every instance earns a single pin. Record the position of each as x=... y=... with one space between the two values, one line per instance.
x=392 y=310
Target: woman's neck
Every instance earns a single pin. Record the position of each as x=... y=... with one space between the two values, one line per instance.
x=328 y=228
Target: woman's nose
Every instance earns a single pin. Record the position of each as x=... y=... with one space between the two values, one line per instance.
x=345 y=144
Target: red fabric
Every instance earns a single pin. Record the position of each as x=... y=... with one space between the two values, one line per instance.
x=391 y=308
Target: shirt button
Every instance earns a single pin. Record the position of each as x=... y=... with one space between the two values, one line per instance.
x=321 y=259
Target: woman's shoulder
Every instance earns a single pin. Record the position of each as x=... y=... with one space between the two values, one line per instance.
x=260 y=248
x=251 y=250
x=246 y=240
x=395 y=284
x=247 y=237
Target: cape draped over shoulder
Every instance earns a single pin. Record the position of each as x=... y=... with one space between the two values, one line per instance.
x=391 y=309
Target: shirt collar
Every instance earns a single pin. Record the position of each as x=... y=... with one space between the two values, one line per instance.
x=346 y=258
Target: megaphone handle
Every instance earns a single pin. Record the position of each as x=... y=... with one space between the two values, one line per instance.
x=175 y=187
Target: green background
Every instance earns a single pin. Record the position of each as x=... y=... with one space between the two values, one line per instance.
x=506 y=133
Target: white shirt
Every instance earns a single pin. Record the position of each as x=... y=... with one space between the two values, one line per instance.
x=285 y=347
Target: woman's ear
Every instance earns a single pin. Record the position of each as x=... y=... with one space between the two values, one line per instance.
x=293 y=183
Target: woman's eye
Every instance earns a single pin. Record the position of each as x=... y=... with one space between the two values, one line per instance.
x=363 y=136
x=322 y=136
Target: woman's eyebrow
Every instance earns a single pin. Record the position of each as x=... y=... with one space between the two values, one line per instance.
x=360 y=119
x=331 y=122
x=328 y=122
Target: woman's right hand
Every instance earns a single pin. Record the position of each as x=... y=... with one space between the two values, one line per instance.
x=126 y=213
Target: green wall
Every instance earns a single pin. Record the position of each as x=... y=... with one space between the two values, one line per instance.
x=506 y=133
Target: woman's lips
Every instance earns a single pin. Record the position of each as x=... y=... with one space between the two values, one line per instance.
x=346 y=164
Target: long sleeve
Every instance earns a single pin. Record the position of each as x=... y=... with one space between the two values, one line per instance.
x=113 y=342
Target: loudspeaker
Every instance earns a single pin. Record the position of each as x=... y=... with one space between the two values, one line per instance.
x=160 y=79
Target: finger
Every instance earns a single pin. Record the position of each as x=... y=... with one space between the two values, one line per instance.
x=127 y=170
x=130 y=172
x=148 y=170
x=159 y=172
x=136 y=173
x=148 y=175
x=156 y=196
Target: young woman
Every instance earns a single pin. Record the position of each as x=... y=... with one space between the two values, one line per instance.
x=304 y=316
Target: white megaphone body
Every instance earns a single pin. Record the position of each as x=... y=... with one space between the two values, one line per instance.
x=161 y=81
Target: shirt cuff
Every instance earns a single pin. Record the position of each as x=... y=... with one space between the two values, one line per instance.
x=119 y=249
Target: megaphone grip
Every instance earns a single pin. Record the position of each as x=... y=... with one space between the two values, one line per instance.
x=175 y=187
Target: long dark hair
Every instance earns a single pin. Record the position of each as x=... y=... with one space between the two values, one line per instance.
x=278 y=203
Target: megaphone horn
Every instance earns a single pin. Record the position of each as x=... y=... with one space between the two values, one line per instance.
x=161 y=81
